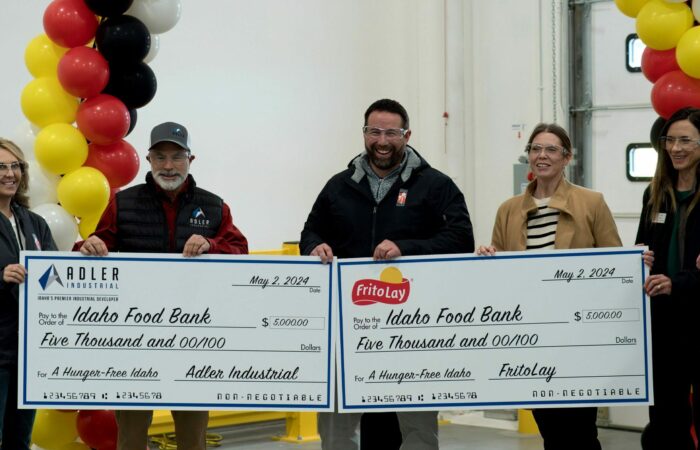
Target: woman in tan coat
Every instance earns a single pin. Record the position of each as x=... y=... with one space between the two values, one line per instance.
x=555 y=214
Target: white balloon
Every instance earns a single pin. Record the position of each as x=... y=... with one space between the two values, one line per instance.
x=159 y=16
x=24 y=137
x=63 y=225
x=696 y=9
x=42 y=185
x=155 y=46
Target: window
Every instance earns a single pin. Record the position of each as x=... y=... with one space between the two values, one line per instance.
x=641 y=162
x=634 y=47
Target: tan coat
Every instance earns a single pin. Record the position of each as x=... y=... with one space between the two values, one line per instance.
x=585 y=220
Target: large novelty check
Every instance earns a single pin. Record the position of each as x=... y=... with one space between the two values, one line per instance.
x=521 y=329
x=153 y=331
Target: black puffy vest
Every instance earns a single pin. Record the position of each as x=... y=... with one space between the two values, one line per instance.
x=141 y=223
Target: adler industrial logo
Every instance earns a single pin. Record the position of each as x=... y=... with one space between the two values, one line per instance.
x=77 y=277
x=391 y=288
x=198 y=218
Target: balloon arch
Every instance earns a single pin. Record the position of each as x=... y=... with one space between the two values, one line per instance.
x=671 y=59
x=91 y=75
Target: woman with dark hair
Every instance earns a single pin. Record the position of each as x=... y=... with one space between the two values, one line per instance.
x=555 y=214
x=670 y=226
x=20 y=229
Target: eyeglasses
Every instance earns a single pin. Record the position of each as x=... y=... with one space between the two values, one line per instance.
x=684 y=142
x=16 y=167
x=389 y=133
x=551 y=150
x=177 y=158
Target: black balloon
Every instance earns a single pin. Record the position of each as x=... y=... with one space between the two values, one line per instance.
x=655 y=132
x=109 y=8
x=133 y=116
x=134 y=84
x=123 y=39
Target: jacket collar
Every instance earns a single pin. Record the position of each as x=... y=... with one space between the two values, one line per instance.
x=412 y=161
x=560 y=202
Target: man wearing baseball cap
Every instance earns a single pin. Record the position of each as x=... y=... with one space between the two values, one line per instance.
x=197 y=222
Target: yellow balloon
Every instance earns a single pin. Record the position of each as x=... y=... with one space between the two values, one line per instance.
x=53 y=429
x=88 y=225
x=45 y=102
x=83 y=192
x=60 y=148
x=688 y=52
x=660 y=25
x=42 y=55
x=630 y=8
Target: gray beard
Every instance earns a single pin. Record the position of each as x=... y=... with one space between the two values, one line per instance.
x=169 y=185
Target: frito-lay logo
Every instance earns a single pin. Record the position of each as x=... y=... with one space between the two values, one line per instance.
x=391 y=288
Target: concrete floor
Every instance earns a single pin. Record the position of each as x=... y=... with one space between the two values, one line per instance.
x=452 y=437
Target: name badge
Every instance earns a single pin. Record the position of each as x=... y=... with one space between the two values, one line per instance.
x=660 y=218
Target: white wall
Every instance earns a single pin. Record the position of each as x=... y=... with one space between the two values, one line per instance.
x=274 y=93
x=614 y=129
x=512 y=68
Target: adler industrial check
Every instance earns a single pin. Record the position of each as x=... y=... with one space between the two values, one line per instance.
x=519 y=329
x=140 y=331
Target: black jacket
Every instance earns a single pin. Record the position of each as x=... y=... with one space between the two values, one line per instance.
x=686 y=283
x=34 y=229
x=433 y=219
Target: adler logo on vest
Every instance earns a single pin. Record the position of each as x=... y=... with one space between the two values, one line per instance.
x=198 y=218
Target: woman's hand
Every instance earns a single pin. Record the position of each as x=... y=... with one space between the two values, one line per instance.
x=648 y=257
x=14 y=273
x=486 y=250
x=658 y=285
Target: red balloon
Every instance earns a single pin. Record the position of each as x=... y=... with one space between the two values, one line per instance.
x=97 y=429
x=103 y=119
x=69 y=23
x=658 y=62
x=110 y=446
x=113 y=191
x=83 y=72
x=118 y=161
x=673 y=91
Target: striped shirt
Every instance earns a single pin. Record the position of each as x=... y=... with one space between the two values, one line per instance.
x=542 y=226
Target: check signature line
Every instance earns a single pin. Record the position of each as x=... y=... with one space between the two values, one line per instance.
x=567 y=377
x=235 y=380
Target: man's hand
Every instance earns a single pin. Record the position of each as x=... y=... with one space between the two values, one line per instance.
x=196 y=245
x=386 y=250
x=648 y=257
x=323 y=251
x=94 y=246
x=697 y=262
x=14 y=273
